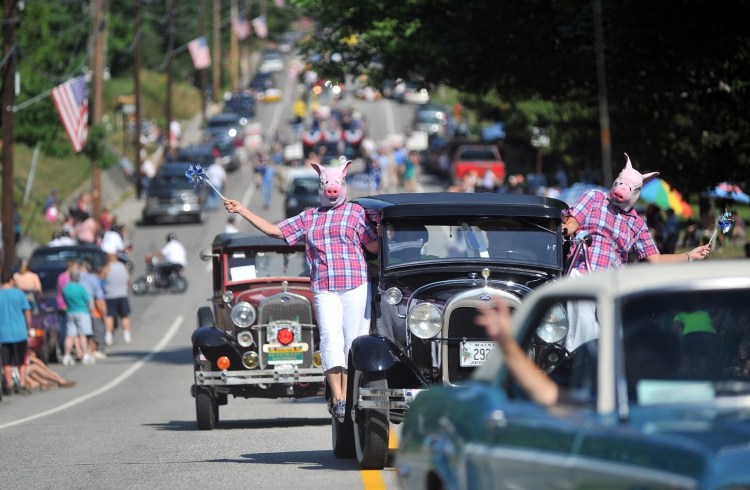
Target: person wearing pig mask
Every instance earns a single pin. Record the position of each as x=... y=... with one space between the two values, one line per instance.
x=334 y=234
x=615 y=229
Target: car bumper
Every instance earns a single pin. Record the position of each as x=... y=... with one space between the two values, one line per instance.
x=172 y=210
x=280 y=374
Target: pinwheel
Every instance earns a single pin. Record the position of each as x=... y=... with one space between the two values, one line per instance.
x=197 y=176
x=725 y=223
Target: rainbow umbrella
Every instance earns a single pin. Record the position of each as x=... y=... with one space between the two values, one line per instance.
x=661 y=194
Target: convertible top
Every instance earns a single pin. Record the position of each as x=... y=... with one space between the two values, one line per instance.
x=254 y=240
x=427 y=204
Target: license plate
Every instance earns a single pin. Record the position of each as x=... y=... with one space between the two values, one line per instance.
x=475 y=353
x=286 y=355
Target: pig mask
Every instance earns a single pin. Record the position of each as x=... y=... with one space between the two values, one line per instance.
x=332 y=184
x=627 y=186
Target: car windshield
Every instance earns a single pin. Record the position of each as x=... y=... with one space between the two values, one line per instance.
x=532 y=241
x=478 y=154
x=683 y=347
x=245 y=265
x=306 y=186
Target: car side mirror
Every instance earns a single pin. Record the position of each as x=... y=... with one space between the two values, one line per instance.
x=207 y=255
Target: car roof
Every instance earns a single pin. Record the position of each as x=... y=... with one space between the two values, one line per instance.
x=254 y=240
x=426 y=204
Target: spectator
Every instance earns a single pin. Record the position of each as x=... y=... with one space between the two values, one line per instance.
x=51 y=206
x=106 y=219
x=218 y=178
x=40 y=376
x=87 y=230
x=62 y=281
x=93 y=286
x=148 y=171
x=27 y=280
x=268 y=174
x=15 y=322
x=116 y=287
x=231 y=227
x=670 y=233
x=112 y=242
x=78 y=305
x=410 y=171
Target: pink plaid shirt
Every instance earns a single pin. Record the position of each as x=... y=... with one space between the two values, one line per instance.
x=614 y=232
x=334 y=239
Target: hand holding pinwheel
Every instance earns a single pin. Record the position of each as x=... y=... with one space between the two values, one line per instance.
x=197 y=176
x=725 y=223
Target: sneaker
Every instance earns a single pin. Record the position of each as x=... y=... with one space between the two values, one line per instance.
x=99 y=354
x=339 y=409
x=108 y=338
x=68 y=361
x=126 y=336
x=88 y=360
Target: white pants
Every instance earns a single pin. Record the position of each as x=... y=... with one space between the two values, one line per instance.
x=342 y=317
x=583 y=326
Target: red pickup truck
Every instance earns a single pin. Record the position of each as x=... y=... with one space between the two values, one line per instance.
x=479 y=158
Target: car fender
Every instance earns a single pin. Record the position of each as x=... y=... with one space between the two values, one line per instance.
x=211 y=337
x=373 y=353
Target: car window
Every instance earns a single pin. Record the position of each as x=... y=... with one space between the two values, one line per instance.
x=306 y=186
x=519 y=240
x=248 y=265
x=483 y=155
x=682 y=347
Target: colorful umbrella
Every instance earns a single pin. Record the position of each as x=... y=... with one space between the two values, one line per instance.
x=725 y=190
x=661 y=194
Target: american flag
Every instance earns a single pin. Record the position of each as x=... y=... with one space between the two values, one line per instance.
x=259 y=25
x=199 y=52
x=241 y=27
x=72 y=104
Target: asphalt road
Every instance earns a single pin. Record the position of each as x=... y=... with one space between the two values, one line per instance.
x=130 y=420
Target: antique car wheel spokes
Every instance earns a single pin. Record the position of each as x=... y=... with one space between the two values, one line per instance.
x=206 y=408
x=371 y=426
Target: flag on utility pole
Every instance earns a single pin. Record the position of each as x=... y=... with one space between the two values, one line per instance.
x=71 y=100
x=241 y=27
x=198 y=48
x=259 y=26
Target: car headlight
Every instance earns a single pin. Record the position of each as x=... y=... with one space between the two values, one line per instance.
x=424 y=321
x=243 y=314
x=393 y=296
x=554 y=326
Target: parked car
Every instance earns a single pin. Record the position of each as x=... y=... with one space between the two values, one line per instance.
x=242 y=104
x=644 y=405
x=477 y=158
x=225 y=125
x=259 y=338
x=171 y=197
x=432 y=119
x=440 y=255
x=206 y=153
x=44 y=334
x=49 y=262
x=302 y=193
x=260 y=82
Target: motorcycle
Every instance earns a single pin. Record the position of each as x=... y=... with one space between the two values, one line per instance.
x=174 y=282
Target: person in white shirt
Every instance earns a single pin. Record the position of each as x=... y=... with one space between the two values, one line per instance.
x=231 y=227
x=112 y=242
x=173 y=255
x=218 y=178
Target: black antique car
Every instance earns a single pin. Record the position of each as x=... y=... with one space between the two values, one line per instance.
x=441 y=255
x=259 y=338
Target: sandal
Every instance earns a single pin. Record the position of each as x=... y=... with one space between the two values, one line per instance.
x=67 y=384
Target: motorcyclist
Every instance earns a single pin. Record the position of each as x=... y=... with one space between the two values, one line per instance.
x=172 y=258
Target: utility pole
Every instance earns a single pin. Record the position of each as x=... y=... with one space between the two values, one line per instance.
x=137 y=89
x=203 y=73
x=96 y=100
x=601 y=80
x=234 y=49
x=216 y=61
x=9 y=73
x=170 y=47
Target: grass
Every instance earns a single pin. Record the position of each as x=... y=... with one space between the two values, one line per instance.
x=68 y=175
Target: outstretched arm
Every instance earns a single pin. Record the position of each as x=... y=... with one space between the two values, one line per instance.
x=698 y=253
x=262 y=224
x=537 y=385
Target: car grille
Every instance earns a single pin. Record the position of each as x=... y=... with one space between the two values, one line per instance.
x=286 y=307
x=460 y=326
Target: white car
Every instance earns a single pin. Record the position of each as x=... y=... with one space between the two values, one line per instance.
x=272 y=63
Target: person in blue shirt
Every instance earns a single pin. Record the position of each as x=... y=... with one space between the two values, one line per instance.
x=15 y=322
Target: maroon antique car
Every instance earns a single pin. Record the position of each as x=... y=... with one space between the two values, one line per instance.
x=259 y=338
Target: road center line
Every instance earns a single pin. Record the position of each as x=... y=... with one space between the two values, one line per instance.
x=176 y=324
